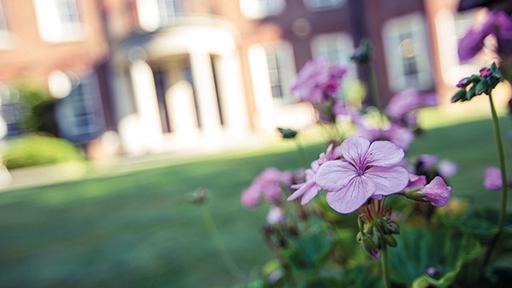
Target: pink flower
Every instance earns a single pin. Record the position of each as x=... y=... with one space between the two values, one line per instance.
x=276 y=216
x=428 y=161
x=366 y=170
x=492 y=179
x=416 y=182
x=436 y=192
x=309 y=189
x=447 y=168
x=316 y=82
x=400 y=136
x=408 y=100
x=268 y=184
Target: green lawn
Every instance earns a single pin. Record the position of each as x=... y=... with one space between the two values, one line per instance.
x=137 y=230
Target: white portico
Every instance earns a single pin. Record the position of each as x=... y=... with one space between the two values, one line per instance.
x=180 y=87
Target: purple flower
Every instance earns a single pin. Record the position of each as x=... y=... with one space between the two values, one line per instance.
x=407 y=101
x=366 y=170
x=268 y=184
x=463 y=82
x=276 y=215
x=470 y=44
x=400 y=136
x=485 y=72
x=498 y=23
x=309 y=189
x=428 y=161
x=492 y=179
x=316 y=82
x=447 y=168
x=436 y=192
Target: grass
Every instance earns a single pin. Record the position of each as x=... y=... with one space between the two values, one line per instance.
x=137 y=229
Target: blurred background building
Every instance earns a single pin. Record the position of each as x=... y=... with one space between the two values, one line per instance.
x=167 y=74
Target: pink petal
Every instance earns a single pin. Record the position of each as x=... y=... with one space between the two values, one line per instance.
x=437 y=192
x=384 y=153
x=354 y=149
x=492 y=179
x=310 y=194
x=352 y=196
x=334 y=175
x=416 y=181
x=388 y=180
x=302 y=188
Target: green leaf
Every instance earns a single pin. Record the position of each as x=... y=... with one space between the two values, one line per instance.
x=308 y=252
x=419 y=249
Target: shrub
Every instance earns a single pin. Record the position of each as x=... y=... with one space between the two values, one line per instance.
x=33 y=150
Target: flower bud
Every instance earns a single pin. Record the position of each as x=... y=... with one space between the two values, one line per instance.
x=390 y=240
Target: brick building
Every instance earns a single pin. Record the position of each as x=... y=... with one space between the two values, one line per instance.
x=170 y=74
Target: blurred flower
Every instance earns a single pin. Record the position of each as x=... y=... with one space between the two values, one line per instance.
x=276 y=216
x=436 y=192
x=492 y=179
x=498 y=23
x=408 y=100
x=268 y=184
x=316 y=82
x=447 y=168
x=400 y=136
x=365 y=170
x=427 y=161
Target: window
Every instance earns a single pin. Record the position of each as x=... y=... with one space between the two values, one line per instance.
x=272 y=71
x=450 y=28
x=78 y=120
x=4 y=29
x=336 y=48
x=261 y=8
x=59 y=20
x=154 y=14
x=407 y=53
x=323 y=4
x=11 y=112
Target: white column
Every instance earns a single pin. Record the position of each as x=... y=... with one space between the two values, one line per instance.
x=205 y=88
x=146 y=104
x=180 y=104
x=234 y=106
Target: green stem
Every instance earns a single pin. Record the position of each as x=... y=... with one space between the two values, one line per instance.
x=501 y=156
x=214 y=233
x=302 y=152
x=384 y=265
x=374 y=86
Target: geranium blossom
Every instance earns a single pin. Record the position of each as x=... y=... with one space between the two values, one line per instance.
x=316 y=82
x=436 y=192
x=492 y=179
x=366 y=170
x=309 y=189
x=268 y=184
x=409 y=100
x=400 y=136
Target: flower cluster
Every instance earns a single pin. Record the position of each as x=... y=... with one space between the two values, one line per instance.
x=269 y=186
x=475 y=85
x=319 y=84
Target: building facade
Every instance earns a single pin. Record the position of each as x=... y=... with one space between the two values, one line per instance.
x=172 y=74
